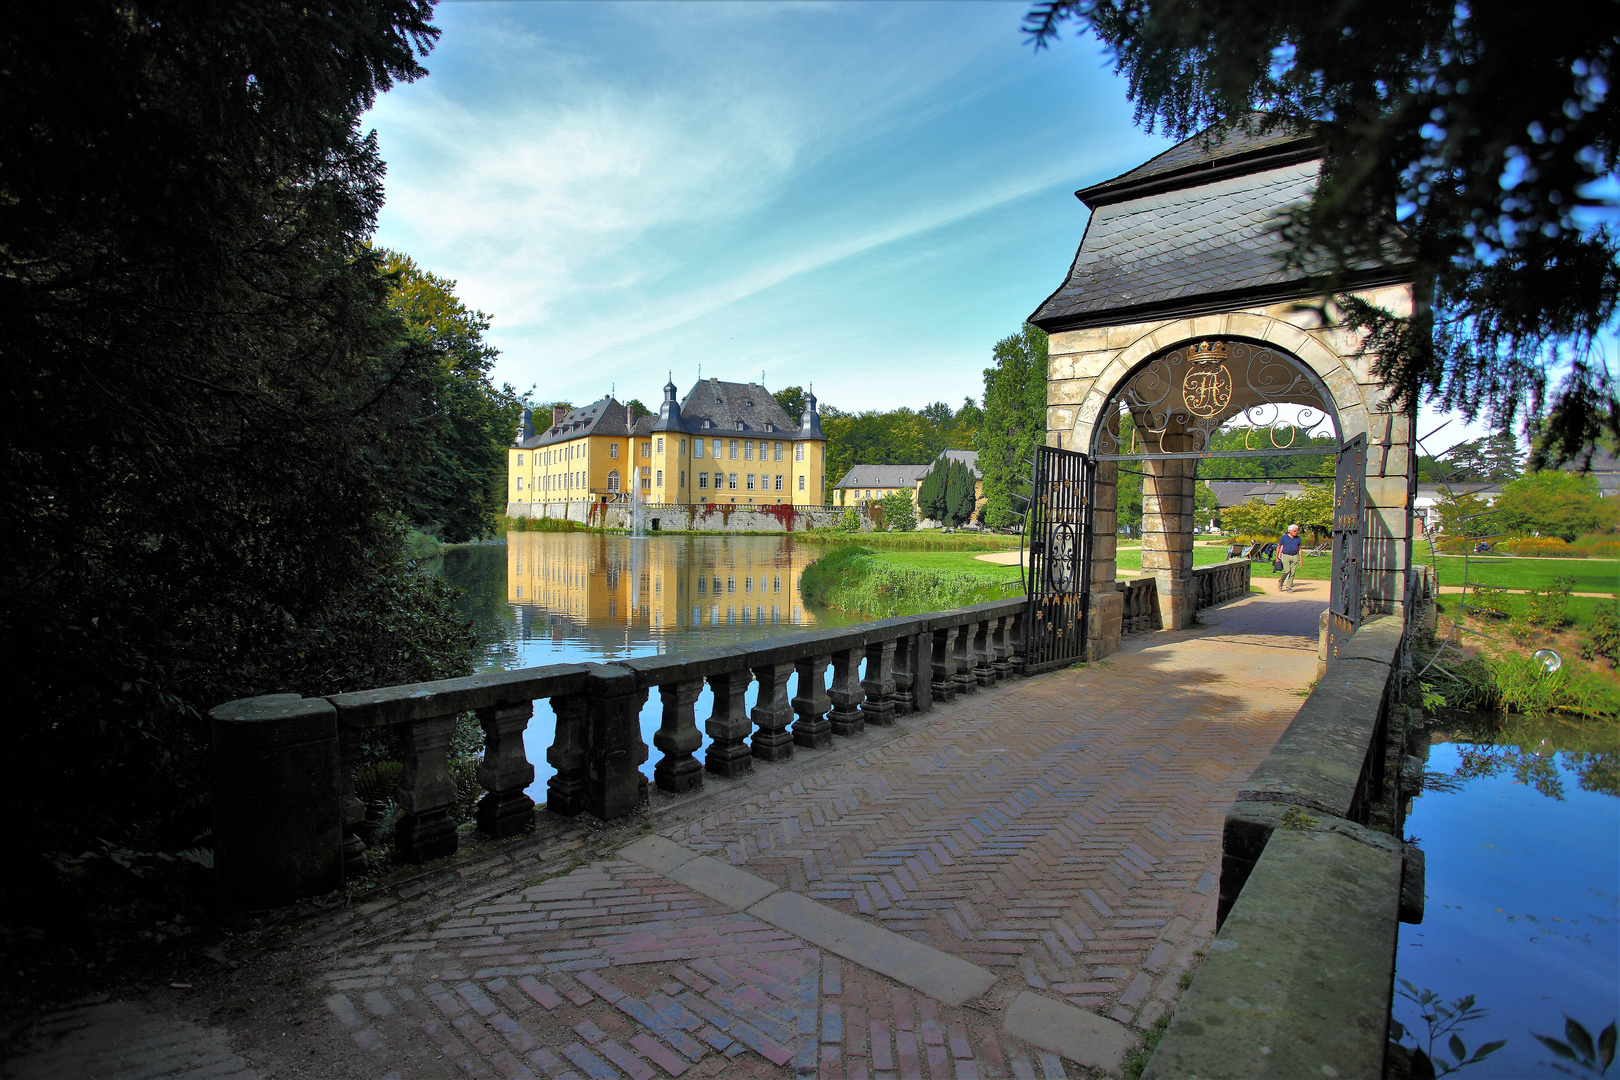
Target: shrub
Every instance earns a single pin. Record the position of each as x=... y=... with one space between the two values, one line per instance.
x=1489 y=601
x=1605 y=639
x=1549 y=607
x=1543 y=547
x=851 y=521
x=899 y=515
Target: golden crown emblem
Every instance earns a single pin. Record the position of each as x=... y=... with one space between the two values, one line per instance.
x=1208 y=352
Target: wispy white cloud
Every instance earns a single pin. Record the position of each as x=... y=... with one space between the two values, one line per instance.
x=606 y=180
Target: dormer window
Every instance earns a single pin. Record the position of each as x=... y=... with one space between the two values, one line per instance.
x=770 y=427
x=739 y=425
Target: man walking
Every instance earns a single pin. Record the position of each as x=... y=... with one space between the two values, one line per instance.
x=1288 y=553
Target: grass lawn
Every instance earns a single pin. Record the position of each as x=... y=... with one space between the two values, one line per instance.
x=1591 y=575
x=1580 y=609
x=962 y=562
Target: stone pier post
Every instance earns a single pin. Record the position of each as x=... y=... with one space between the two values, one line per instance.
x=1167 y=520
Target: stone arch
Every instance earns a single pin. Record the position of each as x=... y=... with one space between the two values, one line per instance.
x=1351 y=404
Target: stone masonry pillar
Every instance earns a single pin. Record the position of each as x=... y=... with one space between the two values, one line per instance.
x=1107 y=602
x=1167 y=519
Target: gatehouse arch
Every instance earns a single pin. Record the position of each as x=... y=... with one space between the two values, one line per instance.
x=1180 y=310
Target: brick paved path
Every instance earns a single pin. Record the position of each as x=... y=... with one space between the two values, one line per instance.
x=1008 y=886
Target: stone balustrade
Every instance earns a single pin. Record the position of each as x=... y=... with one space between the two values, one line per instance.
x=1220 y=582
x=302 y=752
x=1141 y=612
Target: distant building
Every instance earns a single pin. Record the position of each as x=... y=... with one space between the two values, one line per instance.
x=866 y=483
x=727 y=443
x=1425 y=504
x=1604 y=466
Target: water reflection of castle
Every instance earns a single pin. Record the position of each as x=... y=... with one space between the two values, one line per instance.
x=661 y=583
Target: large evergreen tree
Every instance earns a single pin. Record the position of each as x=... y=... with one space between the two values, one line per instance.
x=204 y=389
x=1488 y=131
x=1014 y=423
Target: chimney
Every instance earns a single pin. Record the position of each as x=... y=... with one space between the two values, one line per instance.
x=557 y=413
x=629 y=418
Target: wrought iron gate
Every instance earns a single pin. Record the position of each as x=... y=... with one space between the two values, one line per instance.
x=1349 y=500
x=1059 y=583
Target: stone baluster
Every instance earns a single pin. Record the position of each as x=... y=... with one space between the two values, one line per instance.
x=729 y=727
x=678 y=738
x=879 y=684
x=354 y=811
x=942 y=664
x=983 y=670
x=614 y=751
x=1001 y=648
x=505 y=771
x=1015 y=641
x=565 y=791
x=905 y=676
x=962 y=673
x=812 y=730
x=427 y=795
x=772 y=713
x=846 y=716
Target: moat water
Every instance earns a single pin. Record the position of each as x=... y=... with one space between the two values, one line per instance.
x=1521 y=831
x=564 y=598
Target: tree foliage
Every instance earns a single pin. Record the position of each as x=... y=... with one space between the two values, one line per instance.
x=456 y=485
x=1311 y=510
x=206 y=395
x=1014 y=423
x=791 y=398
x=1496 y=457
x=899 y=437
x=1555 y=503
x=1486 y=130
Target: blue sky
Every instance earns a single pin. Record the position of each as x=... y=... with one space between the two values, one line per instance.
x=866 y=197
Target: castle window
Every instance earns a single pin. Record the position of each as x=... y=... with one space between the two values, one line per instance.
x=660 y=444
x=683 y=446
x=717 y=448
x=733 y=449
x=703 y=585
x=697 y=447
x=646 y=483
x=778 y=481
x=749 y=480
x=520 y=459
x=732 y=483
x=613 y=481
x=777 y=456
x=798 y=451
x=703 y=481
x=748 y=451
x=801 y=483
x=646 y=449
x=683 y=478
x=660 y=477
x=520 y=483
x=613 y=450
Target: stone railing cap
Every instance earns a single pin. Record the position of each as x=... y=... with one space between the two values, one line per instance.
x=272 y=720
x=418 y=701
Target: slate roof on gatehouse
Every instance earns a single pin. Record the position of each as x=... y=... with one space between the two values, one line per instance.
x=725 y=404
x=1194 y=228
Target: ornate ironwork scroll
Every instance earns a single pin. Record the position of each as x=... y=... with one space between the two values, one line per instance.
x=1349 y=500
x=1059 y=585
x=1194 y=390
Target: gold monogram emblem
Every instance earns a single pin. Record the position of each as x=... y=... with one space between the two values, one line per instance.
x=1207 y=386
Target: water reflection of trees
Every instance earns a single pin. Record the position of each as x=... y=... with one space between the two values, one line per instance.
x=1540 y=752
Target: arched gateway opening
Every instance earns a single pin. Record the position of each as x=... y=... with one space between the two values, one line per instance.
x=1180 y=318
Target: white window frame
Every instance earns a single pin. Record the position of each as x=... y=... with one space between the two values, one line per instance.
x=748 y=480
x=697 y=448
x=613 y=450
x=801 y=482
x=798 y=451
x=660 y=444
x=731 y=482
x=703 y=481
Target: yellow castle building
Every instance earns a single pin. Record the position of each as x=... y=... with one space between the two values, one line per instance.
x=725 y=443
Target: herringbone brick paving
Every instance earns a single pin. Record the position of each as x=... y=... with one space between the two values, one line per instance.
x=1062 y=832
